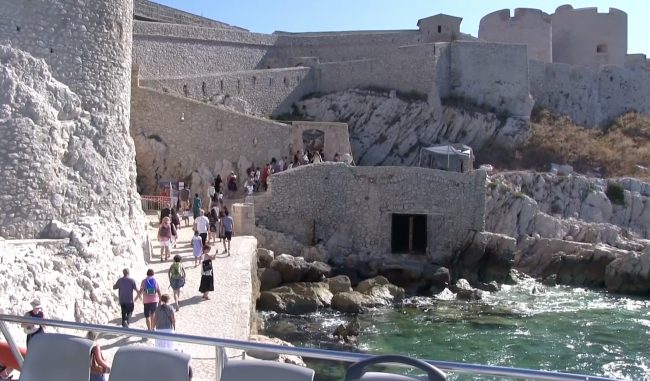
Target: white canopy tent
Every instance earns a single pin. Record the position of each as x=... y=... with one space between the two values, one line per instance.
x=449 y=157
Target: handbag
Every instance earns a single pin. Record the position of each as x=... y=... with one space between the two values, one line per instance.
x=95 y=368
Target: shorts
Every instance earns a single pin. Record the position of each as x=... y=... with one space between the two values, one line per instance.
x=213 y=228
x=150 y=308
x=204 y=237
x=229 y=236
x=185 y=205
x=177 y=284
x=167 y=243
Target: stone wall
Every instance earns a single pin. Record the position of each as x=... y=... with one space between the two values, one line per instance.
x=589 y=97
x=266 y=92
x=209 y=141
x=149 y=10
x=65 y=149
x=350 y=209
x=491 y=75
x=336 y=137
x=408 y=68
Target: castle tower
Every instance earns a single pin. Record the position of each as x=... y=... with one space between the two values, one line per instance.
x=87 y=45
x=75 y=164
x=585 y=37
x=530 y=27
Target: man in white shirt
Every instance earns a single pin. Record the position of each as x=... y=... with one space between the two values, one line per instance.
x=281 y=165
x=201 y=224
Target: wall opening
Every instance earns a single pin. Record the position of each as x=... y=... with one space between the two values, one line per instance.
x=270 y=81
x=286 y=82
x=254 y=80
x=204 y=90
x=602 y=48
x=409 y=233
x=221 y=85
x=439 y=28
x=18 y=28
x=186 y=91
x=313 y=140
x=238 y=87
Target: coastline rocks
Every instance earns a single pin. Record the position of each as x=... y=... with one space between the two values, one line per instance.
x=264 y=258
x=487 y=258
x=573 y=263
x=348 y=333
x=629 y=274
x=269 y=279
x=316 y=253
x=339 y=283
x=370 y=293
x=296 y=298
x=268 y=356
x=296 y=269
x=465 y=292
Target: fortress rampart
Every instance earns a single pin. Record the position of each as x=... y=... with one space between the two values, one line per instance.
x=149 y=11
x=531 y=27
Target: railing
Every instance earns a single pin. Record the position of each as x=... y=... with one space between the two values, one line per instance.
x=155 y=202
x=221 y=359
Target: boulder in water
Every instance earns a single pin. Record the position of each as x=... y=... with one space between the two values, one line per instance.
x=339 y=283
x=287 y=302
x=367 y=284
x=269 y=279
x=352 y=302
x=349 y=332
x=268 y=356
x=264 y=258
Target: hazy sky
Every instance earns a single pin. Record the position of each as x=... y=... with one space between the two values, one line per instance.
x=266 y=16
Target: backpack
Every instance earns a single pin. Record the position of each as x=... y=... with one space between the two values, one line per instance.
x=164 y=231
x=150 y=286
x=177 y=271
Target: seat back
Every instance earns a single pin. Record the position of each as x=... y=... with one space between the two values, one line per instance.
x=379 y=376
x=57 y=357
x=257 y=370
x=148 y=363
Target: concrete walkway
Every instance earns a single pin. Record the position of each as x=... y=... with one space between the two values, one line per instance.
x=225 y=315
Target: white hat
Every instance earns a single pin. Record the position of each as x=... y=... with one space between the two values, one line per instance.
x=36 y=303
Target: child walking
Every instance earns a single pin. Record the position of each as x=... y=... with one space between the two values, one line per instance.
x=186 y=217
x=197 y=248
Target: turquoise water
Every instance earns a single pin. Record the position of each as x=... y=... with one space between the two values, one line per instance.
x=567 y=329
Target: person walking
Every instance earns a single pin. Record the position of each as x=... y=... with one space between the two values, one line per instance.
x=213 y=219
x=196 y=206
x=98 y=365
x=165 y=239
x=165 y=321
x=202 y=224
x=197 y=248
x=228 y=229
x=176 y=276
x=150 y=292
x=37 y=312
x=207 y=276
x=125 y=286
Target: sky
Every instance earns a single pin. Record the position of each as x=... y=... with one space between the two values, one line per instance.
x=267 y=16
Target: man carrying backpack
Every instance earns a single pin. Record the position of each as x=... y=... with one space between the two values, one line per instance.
x=150 y=292
x=176 y=276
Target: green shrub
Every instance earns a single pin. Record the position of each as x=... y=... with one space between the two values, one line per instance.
x=493 y=185
x=615 y=193
x=520 y=195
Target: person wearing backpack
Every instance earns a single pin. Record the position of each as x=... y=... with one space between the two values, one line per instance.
x=176 y=275
x=150 y=292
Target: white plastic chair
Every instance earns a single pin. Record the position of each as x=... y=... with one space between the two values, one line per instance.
x=258 y=370
x=57 y=357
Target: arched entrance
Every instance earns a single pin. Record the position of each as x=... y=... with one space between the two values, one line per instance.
x=313 y=140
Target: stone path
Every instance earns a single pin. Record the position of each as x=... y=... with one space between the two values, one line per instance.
x=225 y=315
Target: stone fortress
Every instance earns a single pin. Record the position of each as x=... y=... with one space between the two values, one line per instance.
x=103 y=94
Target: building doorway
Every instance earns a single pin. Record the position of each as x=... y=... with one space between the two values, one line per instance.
x=409 y=233
x=313 y=140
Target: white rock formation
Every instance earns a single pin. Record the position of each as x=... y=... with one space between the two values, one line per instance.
x=568 y=227
x=386 y=130
x=58 y=162
x=62 y=164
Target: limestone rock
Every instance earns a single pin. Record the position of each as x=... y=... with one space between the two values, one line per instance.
x=287 y=302
x=365 y=285
x=488 y=257
x=318 y=291
x=388 y=129
x=264 y=258
x=295 y=269
x=465 y=292
x=352 y=302
x=315 y=254
x=261 y=355
x=629 y=273
x=339 y=283
x=269 y=279
x=349 y=332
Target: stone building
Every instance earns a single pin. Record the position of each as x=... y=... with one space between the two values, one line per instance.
x=377 y=209
x=439 y=28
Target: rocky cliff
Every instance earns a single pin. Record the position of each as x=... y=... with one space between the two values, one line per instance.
x=574 y=229
x=388 y=129
x=70 y=181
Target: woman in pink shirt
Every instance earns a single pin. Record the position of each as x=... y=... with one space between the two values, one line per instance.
x=150 y=292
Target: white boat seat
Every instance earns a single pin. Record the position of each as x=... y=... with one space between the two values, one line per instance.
x=357 y=371
x=57 y=357
x=378 y=376
x=149 y=363
x=258 y=370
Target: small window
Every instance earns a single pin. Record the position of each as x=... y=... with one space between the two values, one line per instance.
x=602 y=48
x=439 y=28
x=254 y=80
x=409 y=233
x=221 y=85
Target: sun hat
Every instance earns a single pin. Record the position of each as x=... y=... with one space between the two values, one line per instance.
x=36 y=303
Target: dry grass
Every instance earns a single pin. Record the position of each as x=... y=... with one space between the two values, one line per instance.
x=616 y=149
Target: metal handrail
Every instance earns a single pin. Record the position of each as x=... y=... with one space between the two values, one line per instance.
x=485 y=370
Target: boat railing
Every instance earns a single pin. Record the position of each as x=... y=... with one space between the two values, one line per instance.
x=221 y=344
